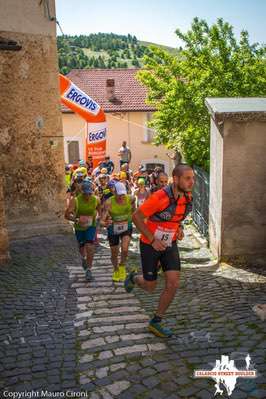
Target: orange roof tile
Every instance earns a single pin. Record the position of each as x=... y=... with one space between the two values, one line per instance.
x=130 y=94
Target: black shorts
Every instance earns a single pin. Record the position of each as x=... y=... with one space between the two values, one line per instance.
x=115 y=238
x=169 y=259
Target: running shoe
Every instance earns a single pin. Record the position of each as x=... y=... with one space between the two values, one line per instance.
x=122 y=272
x=129 y=282
x=115 y=276
x=159 y=330
x=88 y=275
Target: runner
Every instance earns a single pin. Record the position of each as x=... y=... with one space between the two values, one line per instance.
x=83 y=211
x=102 y=184
x=109 y=192
x=124 y=153
x=75 y=187
x=108 y=164
x=117 y=217
x=161 y=181
x=142 y=173
x=154 y=176
x=141 y=193
x=123 y=180
x=82 y=168
x=89 y=165
x=164 y=211
x=99 y=170
x=67 y=176
x=129 y=173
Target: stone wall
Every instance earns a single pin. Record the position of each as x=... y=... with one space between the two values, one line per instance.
x=31 y=142
x=216 y=176
x=244 y=205
x=4 y=254
x=237 y=217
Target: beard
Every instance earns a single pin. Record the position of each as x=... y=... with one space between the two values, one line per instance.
x=182 y=189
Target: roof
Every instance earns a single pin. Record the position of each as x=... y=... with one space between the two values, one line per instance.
x=236 y=107
x=130 y=94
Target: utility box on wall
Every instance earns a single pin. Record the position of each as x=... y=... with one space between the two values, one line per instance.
x=237 y=216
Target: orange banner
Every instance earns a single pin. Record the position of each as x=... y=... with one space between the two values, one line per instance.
x=96 y=141
x=88 y=109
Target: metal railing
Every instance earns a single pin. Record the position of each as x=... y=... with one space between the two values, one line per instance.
x=200 y=212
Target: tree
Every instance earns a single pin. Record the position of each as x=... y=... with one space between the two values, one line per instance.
x=135 y=62
x=212 y=63
x=64 y=70
x=96 y=63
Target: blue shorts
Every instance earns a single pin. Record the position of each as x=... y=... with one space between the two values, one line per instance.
x=86 y=236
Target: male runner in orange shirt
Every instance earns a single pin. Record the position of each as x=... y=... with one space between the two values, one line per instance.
x=159 y=221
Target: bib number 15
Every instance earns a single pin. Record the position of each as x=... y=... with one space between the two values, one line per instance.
x=165 y=236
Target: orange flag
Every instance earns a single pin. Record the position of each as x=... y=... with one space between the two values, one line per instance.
x=88 y=109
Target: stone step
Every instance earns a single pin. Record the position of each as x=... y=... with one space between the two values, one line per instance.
x=93 y=291
x=92 y=284
x=119 y=327
x=118 y=351
x=111 y=303
x=93 y=344
x=109 y=310
x=118 y=319
x=140 y=348
x=122 y=309
x=96 y=298
x=79 y=277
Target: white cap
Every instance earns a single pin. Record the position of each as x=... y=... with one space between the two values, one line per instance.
x=120 y=188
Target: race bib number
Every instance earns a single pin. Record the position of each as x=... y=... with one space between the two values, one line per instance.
x=164 y=235
x=120 y=227
x=85 y=221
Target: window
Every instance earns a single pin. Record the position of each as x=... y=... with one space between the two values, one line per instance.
x=73 y=148
x=151 y=166
x=73 y=151
x=148 y=132
x=151 y=163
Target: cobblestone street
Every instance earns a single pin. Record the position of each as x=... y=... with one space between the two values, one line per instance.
x=61 y=333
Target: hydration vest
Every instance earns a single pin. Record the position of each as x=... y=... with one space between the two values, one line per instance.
x=167 y=214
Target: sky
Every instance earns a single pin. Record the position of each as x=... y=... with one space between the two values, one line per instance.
x=156 y=20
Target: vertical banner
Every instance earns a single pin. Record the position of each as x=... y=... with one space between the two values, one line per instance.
x=82 y=104
x=96 y=141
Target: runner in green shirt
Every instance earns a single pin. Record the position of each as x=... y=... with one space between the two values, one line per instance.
x=83 y=210
x=117 y=217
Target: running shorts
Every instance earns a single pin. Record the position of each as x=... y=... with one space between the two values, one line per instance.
x=86 y=236
x=169 y=260
x=114 y=239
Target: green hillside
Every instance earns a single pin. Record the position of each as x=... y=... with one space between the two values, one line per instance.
x=102 y=50
x=171 y=50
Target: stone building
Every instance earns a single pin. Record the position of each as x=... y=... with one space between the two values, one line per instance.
x=237 y=215
x=31 y=142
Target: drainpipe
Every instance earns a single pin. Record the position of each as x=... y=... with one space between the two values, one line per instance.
x=128 y=130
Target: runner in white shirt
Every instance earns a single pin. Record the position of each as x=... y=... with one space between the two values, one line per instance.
x=124 y=153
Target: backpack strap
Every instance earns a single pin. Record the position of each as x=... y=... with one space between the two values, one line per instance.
x=166 y=214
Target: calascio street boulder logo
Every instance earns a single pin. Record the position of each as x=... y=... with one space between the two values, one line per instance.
x=225 y=374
